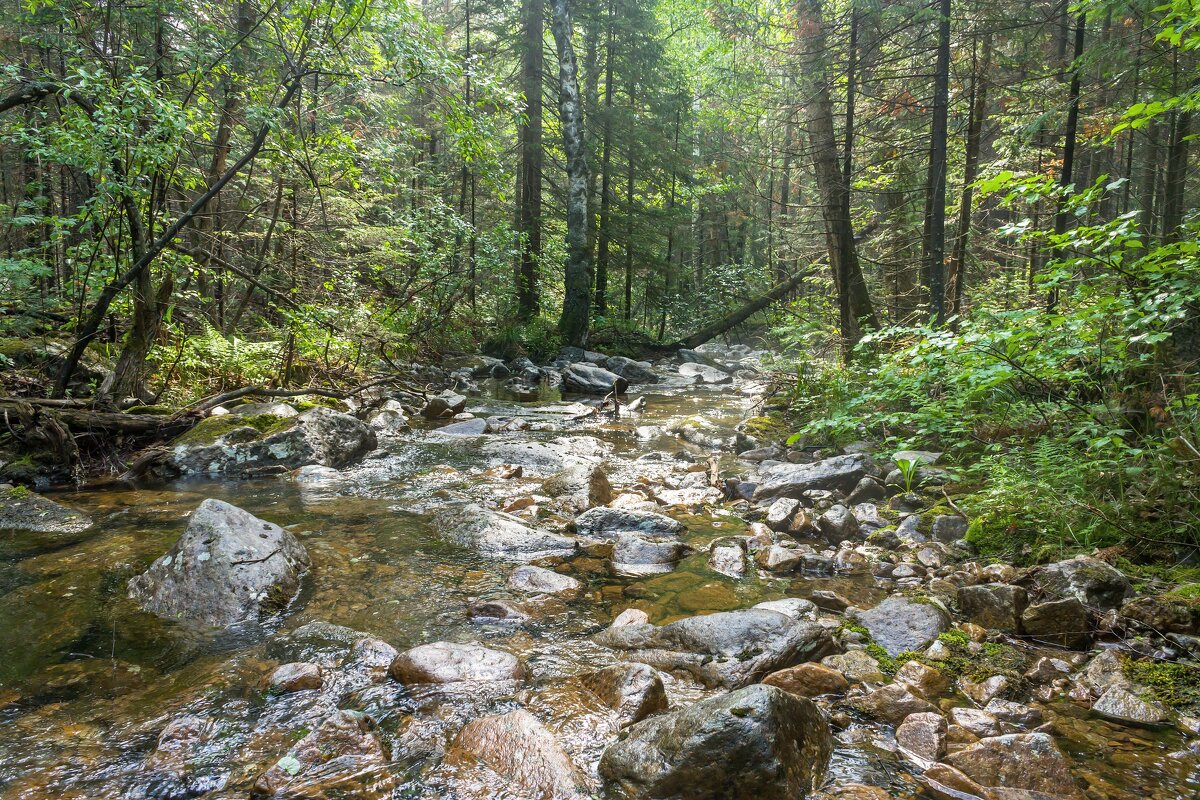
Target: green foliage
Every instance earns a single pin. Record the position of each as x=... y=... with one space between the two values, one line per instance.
x=537 y=340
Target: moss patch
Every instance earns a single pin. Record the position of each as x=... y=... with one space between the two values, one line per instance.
x=765 y=429
x=1173 y=683
x=209 y=430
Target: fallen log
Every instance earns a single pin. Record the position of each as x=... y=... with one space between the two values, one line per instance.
x=85 y=420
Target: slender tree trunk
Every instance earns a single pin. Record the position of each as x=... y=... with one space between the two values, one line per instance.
x=1176 y=178
x=855 y=310
x=956 y=281
x=604 y=237
x=629 y=216
x=529 y=215
x=1063 y=215
x=935 y=203
x=577 y=283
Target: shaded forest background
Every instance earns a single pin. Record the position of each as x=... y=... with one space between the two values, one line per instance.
x=963 y=224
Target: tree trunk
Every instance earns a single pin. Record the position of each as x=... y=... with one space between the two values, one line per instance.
x=529 y=189
x=604 y=236
x=956 y=281
x=1063 y=215
x=855 y=310
x=573 y=324
x=629 y=217
x=935 y=199
x=1176 y=177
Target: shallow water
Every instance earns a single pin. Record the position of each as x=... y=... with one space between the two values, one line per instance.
x=88 y=681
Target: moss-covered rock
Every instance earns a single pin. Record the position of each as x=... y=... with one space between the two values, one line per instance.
x=235 y=445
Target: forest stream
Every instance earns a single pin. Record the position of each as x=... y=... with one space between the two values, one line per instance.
x=100 y=699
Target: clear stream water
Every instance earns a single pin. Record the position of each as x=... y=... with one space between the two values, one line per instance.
x=88 y=681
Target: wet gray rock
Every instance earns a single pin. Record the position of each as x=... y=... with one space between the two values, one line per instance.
x=342 y=757
x=703 y=433
x=603 y=524
x=1091 y=581
x=496 y=611
x=444 y=405
x=468 y=427
x=639 y=554
x=923 y=736
x=729 y=649
x=272 y=408
x=529 y=579
x=891 y=703
x=899 y=624
x=21 y=509
x=218 y=446
x=1059 y=622
x=728 y=558
x=587 y=481
x=523 y=752
x=576 y=355
x=296 y=677
x=450 y=662
x=632 y=371
x=997 y=606
x=808 y=680
x=841 y=473
x=781 y=514
x=838 y=524
x=1120 y=704
x=590 y=379
x=949 y=528
x=227 y=567
x=499 y=535
x=794 y=607
x=758 y=742
x=702 y=373
x=1029 y=761
x=634 y=691
x=778 y=559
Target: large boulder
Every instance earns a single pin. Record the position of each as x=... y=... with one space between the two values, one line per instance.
x=1091 y=581
x=1029 y=761
x=232 y=445
x=900 y=624
x=589 y=379
x=841 y=473
x=450 y=662
x=632 y=371
x=603 y=524
x=523 y=752
x=499 y=535
x=758 y=742
x=228 y=566
x=730 y=649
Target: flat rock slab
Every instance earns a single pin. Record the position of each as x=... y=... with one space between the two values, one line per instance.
x=228 y=566
x=730 y=649
x=840 y=473
x=603 y=524
x=21 y=509
x=523 y=752
x=450 y=662
x=499 y=535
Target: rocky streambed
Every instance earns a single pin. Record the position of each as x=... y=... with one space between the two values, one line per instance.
x=503 y=590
